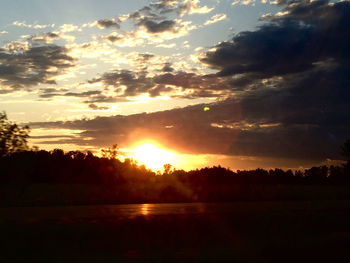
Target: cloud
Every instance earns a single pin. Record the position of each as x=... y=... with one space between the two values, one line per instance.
x=72 y=94
x=151 y=76
x=127 y=83
x=224 y=129
x=191 y=7
x=156 y=32
x=91 y=49
x=95 y=107
x=243 y=2
x=156 y=23
x=22 y=67
x=48 y=37
x=283 y=88
x=286 y=84
x=314 y=12
x=67 y=28
x=124 y=39
x=293 y=71
x=215 y=18
x=172 y=45
x=94 y=98
x=154 y=27
x=180 y=7
x=285 y=45
x=189 y=126
x=107 y=23
x=191 y=85
x=279 y=2
x=167 y=68
x=35 y=26
x=16 y=46
x=150 y=32
x=274 y=2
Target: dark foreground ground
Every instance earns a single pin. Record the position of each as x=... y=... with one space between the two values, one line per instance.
x=314 y=231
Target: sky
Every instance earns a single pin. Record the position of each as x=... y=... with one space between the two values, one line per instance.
x=239 y=83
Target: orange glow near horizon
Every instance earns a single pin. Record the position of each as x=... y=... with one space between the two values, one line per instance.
x=152 y=156
x=145 y=209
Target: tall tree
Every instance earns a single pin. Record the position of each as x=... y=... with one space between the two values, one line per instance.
x=13 y=138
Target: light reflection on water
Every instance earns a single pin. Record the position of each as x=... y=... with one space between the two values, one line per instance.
x=81 y=213
x=37 y=214
x=145 y=208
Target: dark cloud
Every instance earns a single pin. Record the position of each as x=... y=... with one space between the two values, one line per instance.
x=293 y=71
x=50 y=93
x=189 y=128
x=52 y=137
x=167 y=68
x=36 y=65
x=290 y=79
x=107 y=23
x=47 y=37
x=95 y=107
x=311 y=12
x=93 y=96
x=155 y=17
x=195 y=85
x=156 y=11
x=174 y=6
x=43 y=38
x=155 y=27
x=224 y=129
x=185 y=85
x=83 y=94
x=271 y=51
x=135 y=83
x=165 y=6
x=105 y=99
x=309 y=33
x=113 y=38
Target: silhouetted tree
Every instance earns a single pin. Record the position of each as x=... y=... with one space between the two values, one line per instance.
x=111 y=152
x=167 y=168
x=13 y=138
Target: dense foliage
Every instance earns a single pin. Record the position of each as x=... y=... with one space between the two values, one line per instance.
x=13 y=138
x=79 y=177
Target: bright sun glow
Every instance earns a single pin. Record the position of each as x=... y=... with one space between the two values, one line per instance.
x=152 y=156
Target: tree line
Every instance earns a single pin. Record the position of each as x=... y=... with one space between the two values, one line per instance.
x=57 y=166
x=82 y=177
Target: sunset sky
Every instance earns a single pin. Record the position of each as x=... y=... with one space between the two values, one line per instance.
x=241 y=83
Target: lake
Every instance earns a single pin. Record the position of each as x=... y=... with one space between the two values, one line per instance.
x=181 y=232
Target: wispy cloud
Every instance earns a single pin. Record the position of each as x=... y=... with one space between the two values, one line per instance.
x=243 y=2
x=45 y=37
x=172 y=45
x=215 y=18
x=67 y=28
x=35 y=26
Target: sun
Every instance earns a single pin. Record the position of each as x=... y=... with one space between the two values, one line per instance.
x=152 y=156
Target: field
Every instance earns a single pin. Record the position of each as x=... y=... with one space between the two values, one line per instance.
x=288 y=231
